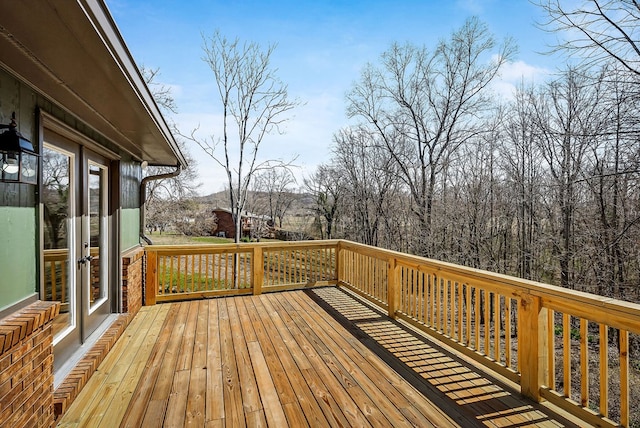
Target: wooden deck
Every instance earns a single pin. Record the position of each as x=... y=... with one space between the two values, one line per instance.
x=302 y=358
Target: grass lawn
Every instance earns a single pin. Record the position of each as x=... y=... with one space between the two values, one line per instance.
x=171 y=238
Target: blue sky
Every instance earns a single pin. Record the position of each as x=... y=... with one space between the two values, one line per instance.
x=321 y=48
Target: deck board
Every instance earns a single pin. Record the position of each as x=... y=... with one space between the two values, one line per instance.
x=301 y=358
x=214 y=400
x=118 y=374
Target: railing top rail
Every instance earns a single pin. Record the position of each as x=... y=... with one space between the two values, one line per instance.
x=58 y=252
x=244 y=246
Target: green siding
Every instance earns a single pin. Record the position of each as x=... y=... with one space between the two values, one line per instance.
x=18 y=202
x=130 y=178
x=18 y=277
x=18 y=236
x=129 y=228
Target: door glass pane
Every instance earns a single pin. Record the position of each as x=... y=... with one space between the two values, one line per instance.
x=97 y=234
x=58 y=236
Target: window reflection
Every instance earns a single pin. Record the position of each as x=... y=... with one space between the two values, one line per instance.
x=96 y=233
x=57 y=215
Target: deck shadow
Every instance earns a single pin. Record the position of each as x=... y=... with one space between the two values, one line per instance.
x=449 y=381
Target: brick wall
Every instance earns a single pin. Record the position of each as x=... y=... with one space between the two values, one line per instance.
x=225 y=223
x=26 y=366
x=132 y=279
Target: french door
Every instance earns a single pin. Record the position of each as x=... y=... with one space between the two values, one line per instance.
x=76 y=232
x=93 y=263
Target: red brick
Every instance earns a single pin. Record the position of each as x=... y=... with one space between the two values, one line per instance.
x=20 y=419
x=26 y=390
x=41 y=357
x=33 y=399
x=22 y=398
x=80 y=374
x=9 y=372
x=11 y=397
x=5 y=361
x=21 y=351
x=33 y=375
x=35 y=314
x=21 y=373
x=5 y=388
x=30 y=323
x=5 y=413
x=6 y=334
x=20 y=329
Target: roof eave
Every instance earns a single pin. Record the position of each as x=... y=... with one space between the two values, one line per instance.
x=73 y=54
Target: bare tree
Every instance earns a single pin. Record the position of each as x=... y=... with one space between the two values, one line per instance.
x=324 y=185
x=272 y=193
x=182 y=186
x=569 y=118
x=255 y=101
x=612 y=178
x=521 y=161
x=598 y=30
x=370 y=178
x=161 y=93
x=55 y=193
x=425 y=105
x=470 y=205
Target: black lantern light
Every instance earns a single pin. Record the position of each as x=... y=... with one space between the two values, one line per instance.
x=19 y=160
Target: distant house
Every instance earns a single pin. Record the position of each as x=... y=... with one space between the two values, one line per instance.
x=252 y=225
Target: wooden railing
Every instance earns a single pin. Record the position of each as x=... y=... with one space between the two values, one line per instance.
x=542 y=337
x=55 y=276
x=529 y=332
x=191 y=271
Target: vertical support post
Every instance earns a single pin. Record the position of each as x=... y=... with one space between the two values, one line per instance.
x=151 y=278
x=533 y=347
x=393 y=289
x=339 y=275
x=257 y=261
x=624 y=377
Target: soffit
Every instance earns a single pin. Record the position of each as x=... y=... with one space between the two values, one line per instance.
x=73 y=53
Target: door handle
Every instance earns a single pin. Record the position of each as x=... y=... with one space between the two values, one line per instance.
x=83 y=260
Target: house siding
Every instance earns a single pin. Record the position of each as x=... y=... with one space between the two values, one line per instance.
x=18 y=252
x=129 y=228
x=17 y=255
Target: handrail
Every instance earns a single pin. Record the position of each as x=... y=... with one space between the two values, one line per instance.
x=485 y=315
x=179 y=272
x=527 y=331
x=625 y=313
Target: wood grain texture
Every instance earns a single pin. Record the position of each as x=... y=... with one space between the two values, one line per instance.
x=316 y=358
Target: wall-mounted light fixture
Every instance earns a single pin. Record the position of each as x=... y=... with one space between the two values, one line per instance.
x=19 y=160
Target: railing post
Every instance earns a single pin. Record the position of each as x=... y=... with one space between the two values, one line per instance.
x=151 y=279
x=393 y=289
x=532 y=345
x=339 y=274
x=257 y=261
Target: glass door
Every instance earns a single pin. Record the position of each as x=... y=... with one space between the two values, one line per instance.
x=59 y=194
x=94 y=260
x=75 y=229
